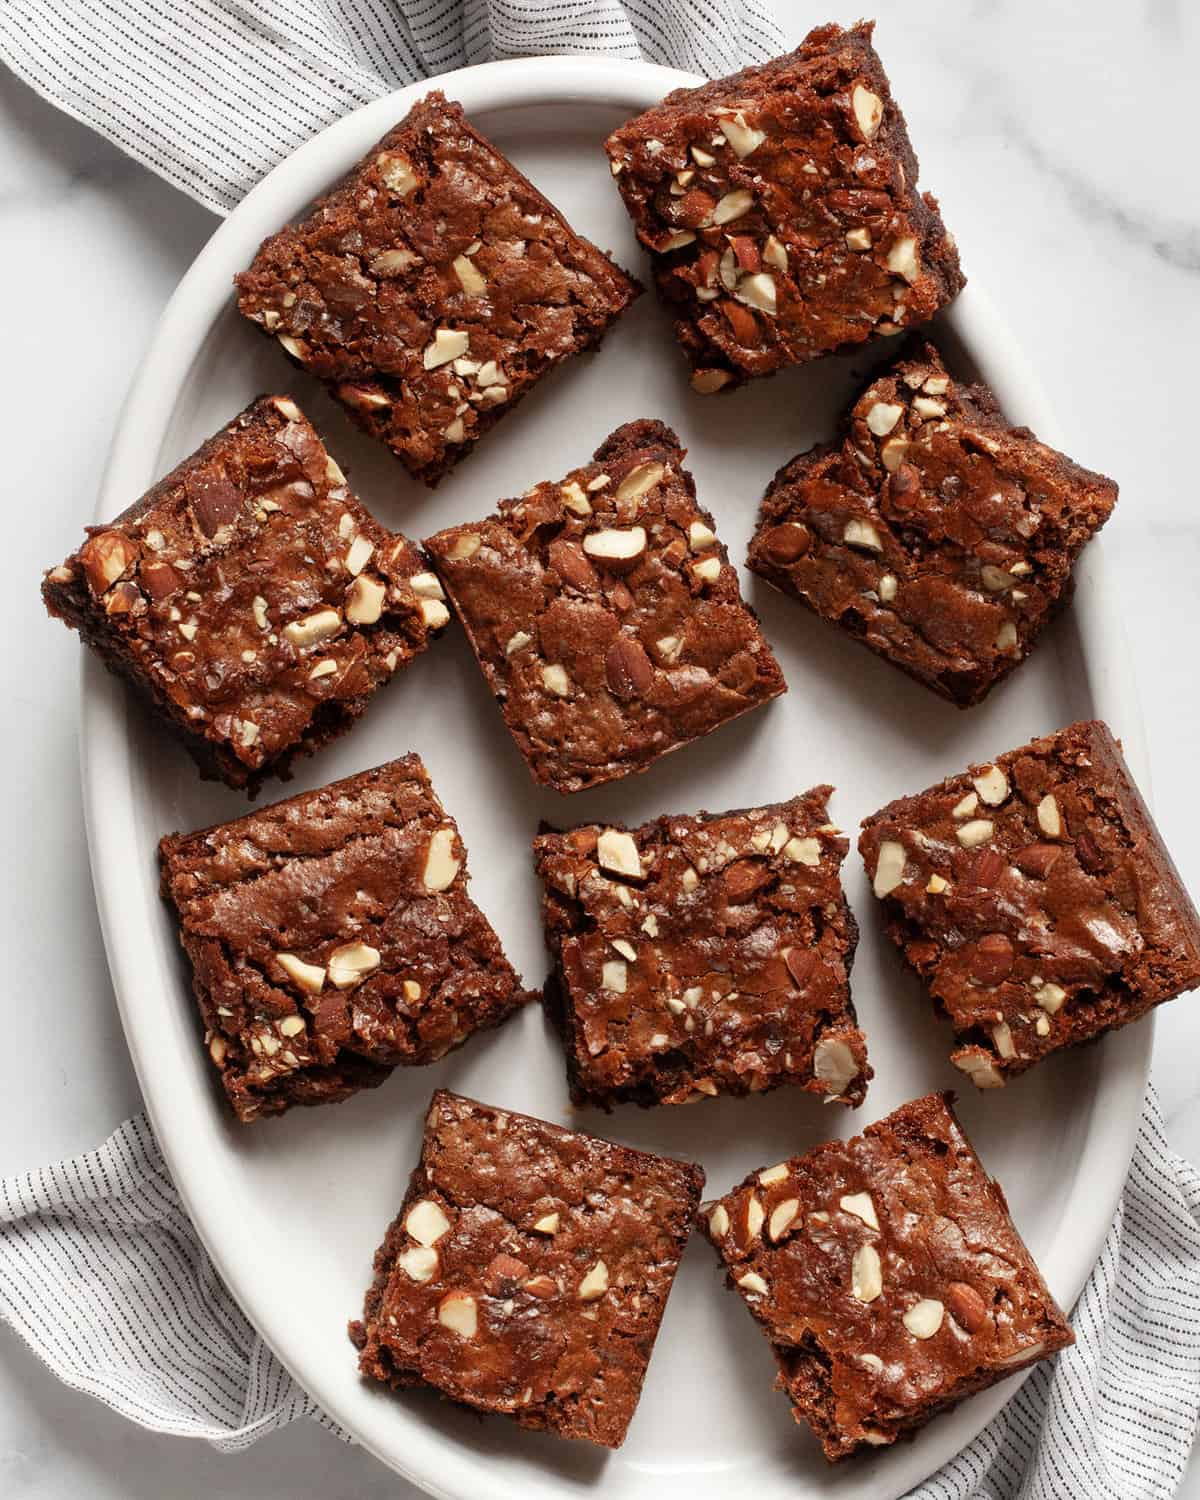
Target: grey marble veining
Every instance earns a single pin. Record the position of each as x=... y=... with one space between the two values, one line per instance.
x=1059 y=139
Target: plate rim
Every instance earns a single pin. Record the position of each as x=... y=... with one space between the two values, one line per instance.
x=437 y=1465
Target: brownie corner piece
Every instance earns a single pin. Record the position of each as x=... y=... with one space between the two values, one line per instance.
x=887 y=1275
x=1036 y=900
x=605 y=614
x=250 y=597
x=432 y=288
x=527 y=1271
x=704 y=954
x=934 y=531
x=780 y=207
x=331 y=938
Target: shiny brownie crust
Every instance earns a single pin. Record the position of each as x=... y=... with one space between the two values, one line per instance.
x=432 y=288
x=702 y=955
x=250 y=597
x=331 y=938
x=605 y=614
x=1035 y=898
x=888 y=1276
x=935 y=532
x=781 y=210
x=528 y=1270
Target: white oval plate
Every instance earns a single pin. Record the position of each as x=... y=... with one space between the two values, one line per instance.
x=292 y=1210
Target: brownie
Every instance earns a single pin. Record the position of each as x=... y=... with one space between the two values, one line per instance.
x=703 y=955
x=935 y=532
x=781 y=209
x=432 y=288
x=606 y=616
x=888 y=1276
x=1034 y=897
x=331 y=938
x=251 y=597
x=528 y=1270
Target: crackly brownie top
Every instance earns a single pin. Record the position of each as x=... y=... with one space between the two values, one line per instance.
x=707 y=953
x=432 y=285
x=886 y=1272
x=535 y=1266
x=783 y=208
x=936 y=532
x=606 y=615
x=1036 y=898
x=251 y=589
x=338 y=919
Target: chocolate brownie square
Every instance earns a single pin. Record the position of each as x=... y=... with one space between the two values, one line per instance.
x=250 y=597
x=888 y=1276
x=432 y=288
x=703 y=955
x=934 y=532
x=781 y=209
x=528 y=1270
x=331 y=938
x=605 y=615
x=1035 y=898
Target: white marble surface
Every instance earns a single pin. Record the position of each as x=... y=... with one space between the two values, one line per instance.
x=1058 y=138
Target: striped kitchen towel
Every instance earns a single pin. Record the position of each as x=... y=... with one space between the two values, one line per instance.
x=103 y=1276
x=213 y=93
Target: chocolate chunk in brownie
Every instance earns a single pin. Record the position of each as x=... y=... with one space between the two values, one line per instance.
x=528 y=1270
x=888 y=1276
x=432 y=288
x=1034 y=897
x=781 y=209
x=605 y=614
x=935 y=532
x=703 y=955
x=251 y=597
x=331 y=937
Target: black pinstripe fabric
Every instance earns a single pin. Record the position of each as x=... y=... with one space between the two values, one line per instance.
x=212 y=94
x=102 y=1275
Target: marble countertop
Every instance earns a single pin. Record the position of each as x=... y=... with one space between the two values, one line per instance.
x=1059 y=142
